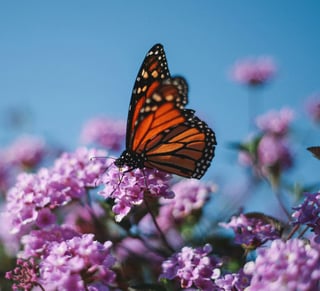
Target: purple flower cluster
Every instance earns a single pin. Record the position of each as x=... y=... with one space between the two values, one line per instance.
x=270 y=152
x=193 y=267
x=4 y=172
x=67 y=261
x=285 y=265
x=273 y=151
x=254 y=72
x=231 y=282
x=27 y=152
x=76 y=264
x=252 y=231
x=104 y=132
x=275 y=122
x=313 y=107
x=34 y=196
x=36 y=243
x=308 y=213
x=128 y=188
x=190 y=195
x=24 y=275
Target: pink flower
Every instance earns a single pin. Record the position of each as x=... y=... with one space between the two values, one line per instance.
x=313 y=107
x=24 y=275
x=286 y=265
x=5 y=169
x=254 y=71
x=77 y=263
x=69 y=178
x=193 y=267
x=252 y=230
x=128 y=188
x=276 y=122
x=190 y=195
x=308 y=213
x=66 y=260
x=273 y=151
x=36 y=243
x=27 y=151
x=104 y=132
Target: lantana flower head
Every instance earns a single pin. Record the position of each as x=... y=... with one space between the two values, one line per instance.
x=193 y=267
x=275 y=122
x=128 y=187
x=274 y=152
x=5 y=169
x=253 y=229
x=231 y=282
x=66 y=260
x=27 y=151
x=313 y=107
x=254 y=71
x=190 y=195
x=68 y=179
x=105 y=132
x=286 y=265
x=24 y=275
x=308 y=213
x=77 y=263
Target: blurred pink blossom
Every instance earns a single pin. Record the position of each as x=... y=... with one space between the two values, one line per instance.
x=27 y=151
x=190 y=195
x=274 y=151
x=4 y=172
x=275 y=122
x=313 y=107
x=104 y=132
x=254 y=71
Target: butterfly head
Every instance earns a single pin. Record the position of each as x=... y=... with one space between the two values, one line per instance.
x=130 y=159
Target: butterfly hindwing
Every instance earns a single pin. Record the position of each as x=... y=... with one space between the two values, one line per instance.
x=185 y=149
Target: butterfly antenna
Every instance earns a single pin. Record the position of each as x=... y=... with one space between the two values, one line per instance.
x=104 y=157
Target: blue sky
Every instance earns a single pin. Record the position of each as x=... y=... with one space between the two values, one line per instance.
x=63 y=62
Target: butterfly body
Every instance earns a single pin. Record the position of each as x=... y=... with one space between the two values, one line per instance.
x=161 y=133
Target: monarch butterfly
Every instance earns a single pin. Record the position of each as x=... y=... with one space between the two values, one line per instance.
x=161 y=133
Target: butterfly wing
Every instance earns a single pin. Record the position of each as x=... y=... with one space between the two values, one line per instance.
x=171 y=137
x=161 y=133
x=154 y=70
x=185 y=149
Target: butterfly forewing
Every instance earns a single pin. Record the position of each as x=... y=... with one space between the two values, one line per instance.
x=159 y=111
x=153 y=69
